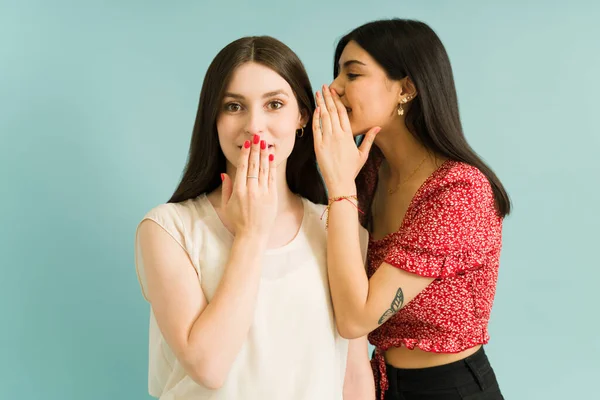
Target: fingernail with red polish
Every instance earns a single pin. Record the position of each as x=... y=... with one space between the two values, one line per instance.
x=256 y=139
x=263 y=145
x=246 y=144
x=222 y=177
x=271 y=157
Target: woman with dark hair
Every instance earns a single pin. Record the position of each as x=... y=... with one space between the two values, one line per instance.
x=433 y=209
x=234 y=265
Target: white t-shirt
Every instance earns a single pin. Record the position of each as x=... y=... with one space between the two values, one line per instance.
x=293 y=350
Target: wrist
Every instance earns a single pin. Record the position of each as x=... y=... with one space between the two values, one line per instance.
x=351 y=199
x=252 y=240
x=341 y=189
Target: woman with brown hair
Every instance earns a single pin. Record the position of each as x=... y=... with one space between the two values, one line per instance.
x=234 y=265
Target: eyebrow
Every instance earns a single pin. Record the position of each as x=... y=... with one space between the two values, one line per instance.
x=266 y=95
x=352 y=62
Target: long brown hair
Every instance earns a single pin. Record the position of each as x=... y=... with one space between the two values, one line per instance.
x=206 y=160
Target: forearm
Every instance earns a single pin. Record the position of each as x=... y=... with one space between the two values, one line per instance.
x=347 y=277
x=218 y=334
x=359 y=383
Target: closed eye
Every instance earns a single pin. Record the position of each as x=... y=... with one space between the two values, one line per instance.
x=352 y=77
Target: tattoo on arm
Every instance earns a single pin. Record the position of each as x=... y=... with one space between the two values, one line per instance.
x=394 y=307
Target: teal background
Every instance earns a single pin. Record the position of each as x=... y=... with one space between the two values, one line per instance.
x=97 y=102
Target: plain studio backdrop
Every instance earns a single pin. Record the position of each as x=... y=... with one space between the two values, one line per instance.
x=97 y=103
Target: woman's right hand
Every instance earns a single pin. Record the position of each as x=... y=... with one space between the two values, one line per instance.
x=250 y=202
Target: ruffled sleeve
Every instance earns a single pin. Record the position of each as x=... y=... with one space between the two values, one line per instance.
x=448 y=232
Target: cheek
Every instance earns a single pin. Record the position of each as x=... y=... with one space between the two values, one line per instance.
x=283 y=131
x=370 y=105
x=227 y=132
x=283 y=124
x=226 y=126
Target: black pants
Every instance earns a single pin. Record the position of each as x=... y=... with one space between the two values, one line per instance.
x=469 y=379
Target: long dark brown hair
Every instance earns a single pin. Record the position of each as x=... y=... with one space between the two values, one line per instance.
x=206 y=160
x=407 y=48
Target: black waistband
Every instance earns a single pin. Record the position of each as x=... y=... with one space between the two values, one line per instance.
x=442 y=376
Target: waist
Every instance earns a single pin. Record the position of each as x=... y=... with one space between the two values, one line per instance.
x=441 y=376
x=405 y=358
x=435 y=339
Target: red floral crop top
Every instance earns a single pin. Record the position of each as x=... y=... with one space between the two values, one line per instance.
x=451 y=232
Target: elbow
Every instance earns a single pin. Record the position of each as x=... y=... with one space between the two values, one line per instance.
x=349 y=330
x=207 y=374
x=206 y=364
x=208 y=380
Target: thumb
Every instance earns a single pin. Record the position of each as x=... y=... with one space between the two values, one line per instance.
x=226 y=189
x=367 y=142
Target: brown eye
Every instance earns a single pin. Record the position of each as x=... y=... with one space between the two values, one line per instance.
x=233 y=107
x=275 y=105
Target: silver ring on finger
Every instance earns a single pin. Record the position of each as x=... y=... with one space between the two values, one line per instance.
x=252 y=177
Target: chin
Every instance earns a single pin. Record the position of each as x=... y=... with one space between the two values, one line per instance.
x=359 y=130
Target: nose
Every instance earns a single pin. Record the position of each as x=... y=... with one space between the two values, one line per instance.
x=337 y=86
x=255 y=122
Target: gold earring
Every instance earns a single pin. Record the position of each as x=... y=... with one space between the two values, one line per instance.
x=400 y=110
x=403 y=101
x=301 y=133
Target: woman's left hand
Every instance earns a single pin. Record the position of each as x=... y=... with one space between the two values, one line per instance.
x=338 y=157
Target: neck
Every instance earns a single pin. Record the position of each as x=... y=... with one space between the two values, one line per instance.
x=402 y=152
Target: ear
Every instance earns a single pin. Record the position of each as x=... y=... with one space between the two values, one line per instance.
x=408 y=90
x=303 y=120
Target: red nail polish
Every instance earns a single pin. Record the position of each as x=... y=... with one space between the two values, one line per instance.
x=256 y=139
x=222 y=177
x=271 y=157
x=246 y=144
x=263 y=145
